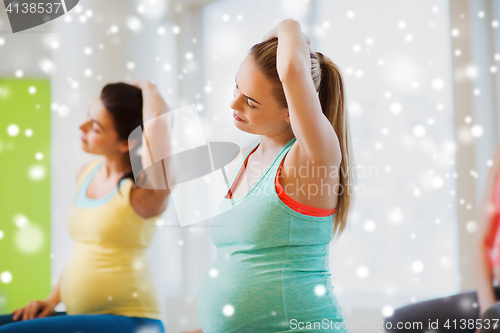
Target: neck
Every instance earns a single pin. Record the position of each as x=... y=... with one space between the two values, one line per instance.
x=270 y=145
x=115 y=166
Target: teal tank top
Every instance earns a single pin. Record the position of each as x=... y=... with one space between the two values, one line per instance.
x=272 y=270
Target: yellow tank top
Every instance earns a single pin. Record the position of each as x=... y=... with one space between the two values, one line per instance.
x=109 y=271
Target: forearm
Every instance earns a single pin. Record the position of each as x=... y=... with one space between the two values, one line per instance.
x=484 y=278
x=293 y=52
x=54 y=295
x=156 y=138
x=153 y=103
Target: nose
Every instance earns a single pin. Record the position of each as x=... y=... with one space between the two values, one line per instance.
x=232 y=104
x=236 y=102
x=84 y=126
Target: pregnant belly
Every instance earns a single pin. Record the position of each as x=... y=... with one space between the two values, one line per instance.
x=241 y=295
x=96 y=283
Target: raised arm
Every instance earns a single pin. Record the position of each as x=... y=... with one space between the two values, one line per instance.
x=315 y=135
x=488 y=216
x=151 y=198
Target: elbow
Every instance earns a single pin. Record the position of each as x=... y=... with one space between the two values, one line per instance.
x=163 y=194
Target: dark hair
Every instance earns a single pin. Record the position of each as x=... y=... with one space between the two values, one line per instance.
x=124 y=102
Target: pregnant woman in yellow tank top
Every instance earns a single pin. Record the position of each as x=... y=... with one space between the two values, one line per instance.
x=107 y=284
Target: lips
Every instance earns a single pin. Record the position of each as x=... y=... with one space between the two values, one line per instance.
x=236 y=117
x=83 y=139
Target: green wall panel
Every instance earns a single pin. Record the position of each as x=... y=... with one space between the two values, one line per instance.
x=24 y=191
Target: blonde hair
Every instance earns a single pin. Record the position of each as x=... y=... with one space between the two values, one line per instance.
x=329 y=85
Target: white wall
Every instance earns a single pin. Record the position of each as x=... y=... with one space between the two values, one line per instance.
x=24 y=50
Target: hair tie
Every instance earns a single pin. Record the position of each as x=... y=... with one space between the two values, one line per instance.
x=321 y=58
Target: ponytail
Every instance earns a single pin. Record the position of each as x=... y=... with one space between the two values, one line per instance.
x=330 y=88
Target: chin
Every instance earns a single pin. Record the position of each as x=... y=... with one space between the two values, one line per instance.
x=243 y=128
x=85 y=148
x=238 y=124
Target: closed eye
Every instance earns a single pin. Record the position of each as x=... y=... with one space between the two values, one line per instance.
x=253 y=107
x=248 y=100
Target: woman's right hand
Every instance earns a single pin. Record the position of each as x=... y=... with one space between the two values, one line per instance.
x=35 y=309
x=198 y=330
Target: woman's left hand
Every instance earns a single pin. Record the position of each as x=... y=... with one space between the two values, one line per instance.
x=274 y=32
x=142 y=84
x=154 y=104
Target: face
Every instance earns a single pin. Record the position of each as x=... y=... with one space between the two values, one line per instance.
x=255 y=104
x=98 y=132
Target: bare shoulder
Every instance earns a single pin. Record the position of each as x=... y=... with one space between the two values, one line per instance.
x=234 y=163
x=244 y=150
x=85 y=167
x=80 y=171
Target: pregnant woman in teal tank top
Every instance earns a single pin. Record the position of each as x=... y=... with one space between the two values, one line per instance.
x=272 y=268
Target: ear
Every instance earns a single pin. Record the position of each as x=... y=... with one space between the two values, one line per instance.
x=127 y=145
x=287 y=119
